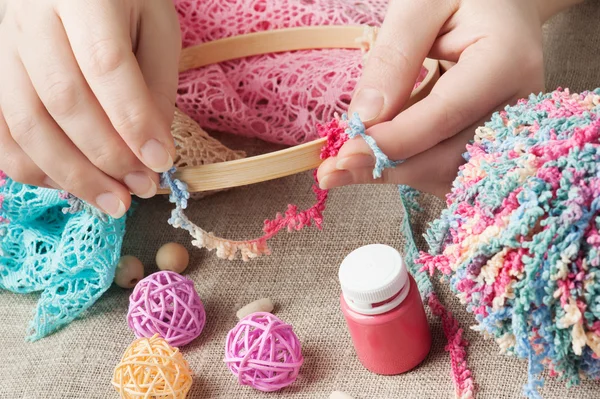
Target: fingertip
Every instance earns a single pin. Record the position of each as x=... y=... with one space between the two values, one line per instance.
x=327 y=167
x=368 y=103
x=112 y=204
x=141 y=184
x=336 y=179
x=356 y=146
x=357 y=161
x=157 y=156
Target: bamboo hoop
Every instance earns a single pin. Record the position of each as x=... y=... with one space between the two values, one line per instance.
x=291 y=160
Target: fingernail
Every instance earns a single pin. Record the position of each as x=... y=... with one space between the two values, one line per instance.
x=51 y=183
x=354 y=162
x=368 y=103
x=156 y=156
x=111 y=204
x=140 y=184
x=335 y=179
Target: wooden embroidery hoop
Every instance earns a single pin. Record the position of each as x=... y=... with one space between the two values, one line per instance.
x=291 y=160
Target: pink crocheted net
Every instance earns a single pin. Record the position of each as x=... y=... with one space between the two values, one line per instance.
x=276 y=97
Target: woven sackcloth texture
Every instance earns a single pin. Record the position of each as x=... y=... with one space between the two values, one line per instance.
x=300 y=276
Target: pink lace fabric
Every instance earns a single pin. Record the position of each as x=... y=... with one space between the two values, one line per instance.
x=275 y=97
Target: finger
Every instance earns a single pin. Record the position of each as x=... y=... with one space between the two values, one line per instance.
x=431 y=171
x=67 y=97
x=395 y=60
x=16 y=164
x=105 y=57
x=481 y=81
x=41 y=139
x=158 y=50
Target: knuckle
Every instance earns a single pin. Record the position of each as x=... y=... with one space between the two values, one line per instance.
x=106 y=56
x=104 y=160
x=112 y=158
x=62 y=97
x=115 y=164
x=390 y=57
x=450 y=115
x=21 y=125
x=131 y=121
x=73 y=181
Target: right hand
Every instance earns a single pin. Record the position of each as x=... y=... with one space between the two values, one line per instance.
x=497 y=48
x=87 y=96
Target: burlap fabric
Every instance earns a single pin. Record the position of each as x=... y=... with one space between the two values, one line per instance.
x=301 y=277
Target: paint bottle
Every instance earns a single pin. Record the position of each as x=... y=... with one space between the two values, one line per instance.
x=383 y=310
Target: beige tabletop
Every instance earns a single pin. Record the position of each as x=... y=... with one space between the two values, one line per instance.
x=300 y=276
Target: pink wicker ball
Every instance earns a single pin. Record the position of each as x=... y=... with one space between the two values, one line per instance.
x=166 y=303
x=263 y=352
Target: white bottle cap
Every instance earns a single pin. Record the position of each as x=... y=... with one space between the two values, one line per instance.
x=374 y=275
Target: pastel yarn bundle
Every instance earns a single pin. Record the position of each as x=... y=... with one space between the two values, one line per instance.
x=166 y=303
x=519 y=242
x=56 y=245
x=263 y=352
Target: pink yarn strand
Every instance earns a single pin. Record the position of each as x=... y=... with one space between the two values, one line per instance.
x=464 y=385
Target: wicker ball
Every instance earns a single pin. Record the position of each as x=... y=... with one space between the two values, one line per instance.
x=166 y=303
x=263 y=352
x=152 y=368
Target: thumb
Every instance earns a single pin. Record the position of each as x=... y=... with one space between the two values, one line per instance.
x=394 y=62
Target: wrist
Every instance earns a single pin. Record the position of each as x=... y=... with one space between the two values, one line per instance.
x=549 y=8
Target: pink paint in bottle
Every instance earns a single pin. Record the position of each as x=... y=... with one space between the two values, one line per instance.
x=383 y=310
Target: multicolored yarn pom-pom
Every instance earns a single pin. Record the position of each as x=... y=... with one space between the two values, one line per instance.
x=519 y=242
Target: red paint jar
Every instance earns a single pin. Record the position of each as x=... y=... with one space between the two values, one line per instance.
x=383 y=310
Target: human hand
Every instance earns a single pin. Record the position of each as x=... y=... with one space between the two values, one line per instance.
x=497 y=48
x=87 y=96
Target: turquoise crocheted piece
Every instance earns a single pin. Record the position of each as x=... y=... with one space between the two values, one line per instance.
x=53 y=244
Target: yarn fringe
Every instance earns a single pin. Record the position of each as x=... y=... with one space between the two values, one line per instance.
x=336 y=133
x=462 y=377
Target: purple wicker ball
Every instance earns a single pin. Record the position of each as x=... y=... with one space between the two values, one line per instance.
x=264 y=352
x=166 y=303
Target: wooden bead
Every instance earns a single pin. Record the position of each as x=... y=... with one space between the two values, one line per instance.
x=262 y=305
x=129 y=272
x=173 y=257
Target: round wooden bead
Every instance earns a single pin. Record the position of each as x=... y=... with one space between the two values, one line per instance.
x=261 y=305
x=129 y=272
x=173 y=257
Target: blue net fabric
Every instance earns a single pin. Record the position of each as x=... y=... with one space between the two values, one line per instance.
x=46 y=244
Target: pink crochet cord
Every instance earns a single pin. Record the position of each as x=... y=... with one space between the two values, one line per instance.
x=263 y=352
x=276 y=97
x=464 y=386
x=292 y=219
